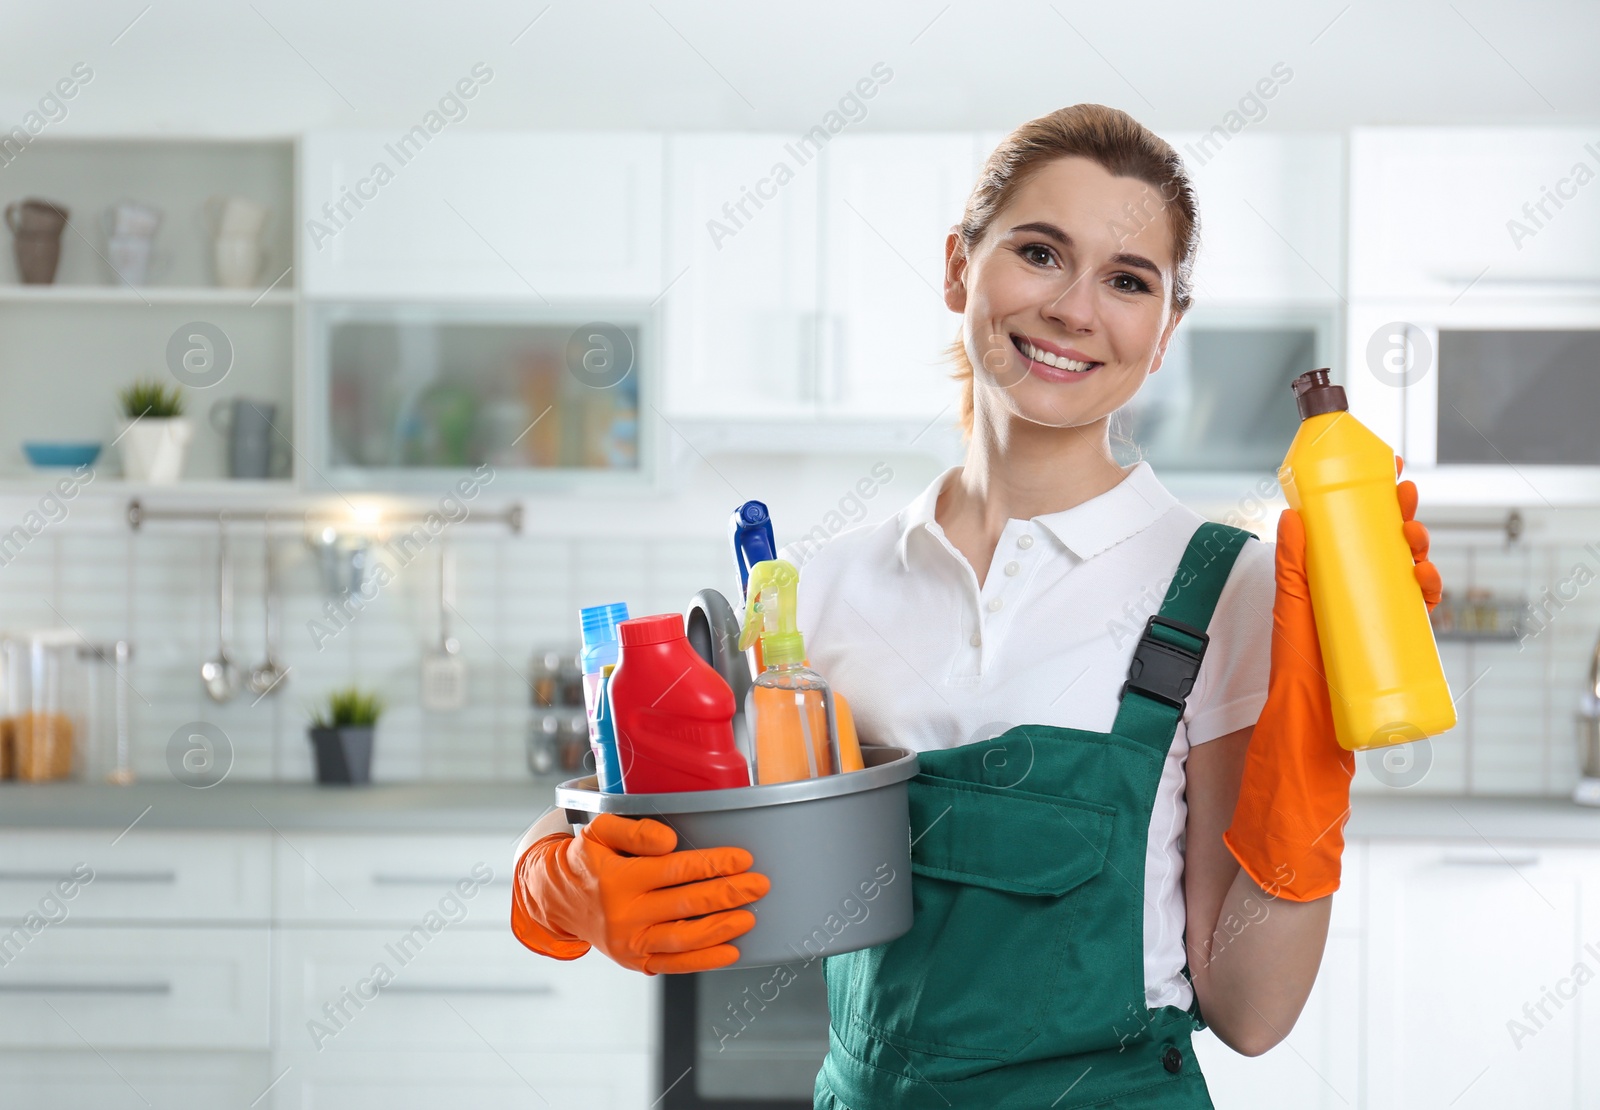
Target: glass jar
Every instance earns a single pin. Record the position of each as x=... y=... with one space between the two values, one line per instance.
x=62 y=714
x=42 y=702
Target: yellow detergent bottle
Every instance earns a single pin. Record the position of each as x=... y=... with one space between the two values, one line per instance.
x=1385 y=680
x=790 y=711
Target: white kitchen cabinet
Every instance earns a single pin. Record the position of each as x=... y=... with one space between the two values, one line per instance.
x=86 y=1079
x=1462 y=935
x=137 y=988
x=143 y=876
x=1436 y=211
x=889 y=201
x=344 y=992
x=741 y=312
x=541 y=217
x=356 y=878
x=481 y=1079
x=1271 y=217
x=1588 y=1009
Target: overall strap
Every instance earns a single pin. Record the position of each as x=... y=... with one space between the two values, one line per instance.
x=1168 y=654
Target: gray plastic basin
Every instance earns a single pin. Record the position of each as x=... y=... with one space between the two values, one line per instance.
x=837 y=849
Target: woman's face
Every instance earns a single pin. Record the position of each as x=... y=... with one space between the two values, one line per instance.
x=1066 y=299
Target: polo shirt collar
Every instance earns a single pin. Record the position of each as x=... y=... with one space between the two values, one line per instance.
x=1102 y=522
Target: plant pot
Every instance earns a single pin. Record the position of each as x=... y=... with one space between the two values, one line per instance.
x=153 y=448
x=344 y=755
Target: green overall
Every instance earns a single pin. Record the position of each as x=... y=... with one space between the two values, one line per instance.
x=1021 y=982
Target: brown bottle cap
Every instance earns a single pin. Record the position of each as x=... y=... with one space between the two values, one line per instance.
x=1315 y=395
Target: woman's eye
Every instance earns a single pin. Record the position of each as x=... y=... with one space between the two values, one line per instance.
x=1138 y=285
x=1033 y=250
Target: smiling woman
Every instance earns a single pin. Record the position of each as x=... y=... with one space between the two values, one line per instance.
x=1138 y=210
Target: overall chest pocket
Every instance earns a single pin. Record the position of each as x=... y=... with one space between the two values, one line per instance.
x=1011 y=890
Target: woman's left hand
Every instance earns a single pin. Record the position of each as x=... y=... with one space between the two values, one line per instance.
x=1294 y=797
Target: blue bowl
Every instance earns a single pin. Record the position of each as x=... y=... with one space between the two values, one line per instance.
x=61 y=454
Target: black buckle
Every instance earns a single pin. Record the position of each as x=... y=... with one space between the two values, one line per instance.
x=1165 y=671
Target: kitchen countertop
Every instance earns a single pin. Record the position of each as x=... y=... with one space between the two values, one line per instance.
x=510 y=807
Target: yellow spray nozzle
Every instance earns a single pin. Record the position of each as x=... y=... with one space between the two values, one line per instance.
x=770 y=601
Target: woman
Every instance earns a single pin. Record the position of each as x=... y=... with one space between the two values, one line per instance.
x=1130 y=806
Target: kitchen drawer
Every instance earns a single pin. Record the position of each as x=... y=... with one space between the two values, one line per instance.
x=88 y=1080
x=143 y=876
x=366 y=880
x=480 y=1079
x=125 y=987
x=344 y=991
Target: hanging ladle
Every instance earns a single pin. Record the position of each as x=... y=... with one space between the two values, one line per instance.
x=267 y=675
x=221 y=675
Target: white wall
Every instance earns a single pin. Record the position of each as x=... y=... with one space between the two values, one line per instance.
x=280 y=66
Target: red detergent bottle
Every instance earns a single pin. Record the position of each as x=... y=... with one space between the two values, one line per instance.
x=673 y=712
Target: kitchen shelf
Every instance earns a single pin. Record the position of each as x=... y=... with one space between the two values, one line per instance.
x=37 y=483
x=143 y=295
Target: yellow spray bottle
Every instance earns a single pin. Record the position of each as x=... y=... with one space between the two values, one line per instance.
x=1385 y=681
x=790 y=711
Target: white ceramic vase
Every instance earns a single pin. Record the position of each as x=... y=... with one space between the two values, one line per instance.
x=153 y=448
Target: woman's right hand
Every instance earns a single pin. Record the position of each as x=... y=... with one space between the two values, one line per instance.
x=619 y=886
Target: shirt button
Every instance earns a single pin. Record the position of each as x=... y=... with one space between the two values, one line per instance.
x=977 y=639
x=1012 y=568
x=994 y=605
x=1024 y=542
x=1172 y=1059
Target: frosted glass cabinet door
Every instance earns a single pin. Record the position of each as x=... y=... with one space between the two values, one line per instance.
x=740 y=313
x=526 y=216
x=416 y=396
x=1221 y=400
x=889 y=201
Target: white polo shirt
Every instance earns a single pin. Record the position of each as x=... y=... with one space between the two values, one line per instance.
x=895 y=618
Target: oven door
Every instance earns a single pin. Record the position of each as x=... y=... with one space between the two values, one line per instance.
x=746 y=1037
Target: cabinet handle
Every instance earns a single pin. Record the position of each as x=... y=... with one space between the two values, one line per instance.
x=385 y=879
x=445 y=988
x=165 y=877
x=1463 y=857
x=85 y=988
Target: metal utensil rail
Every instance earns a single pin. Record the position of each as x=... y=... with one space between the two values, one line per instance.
x=138 y=513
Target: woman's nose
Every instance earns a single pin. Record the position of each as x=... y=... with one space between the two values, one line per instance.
x=1074 y=305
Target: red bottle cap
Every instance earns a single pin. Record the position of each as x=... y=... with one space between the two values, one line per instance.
x=650 y=630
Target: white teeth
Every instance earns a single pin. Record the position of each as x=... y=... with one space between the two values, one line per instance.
x=1053 y=360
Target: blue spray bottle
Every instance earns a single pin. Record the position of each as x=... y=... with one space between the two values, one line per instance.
x=600 y=649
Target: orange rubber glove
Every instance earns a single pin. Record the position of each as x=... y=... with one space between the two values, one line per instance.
x=619 y=886
x=1288 y=826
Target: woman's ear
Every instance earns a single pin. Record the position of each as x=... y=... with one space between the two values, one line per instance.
x=1166 y=337
x=955 y=272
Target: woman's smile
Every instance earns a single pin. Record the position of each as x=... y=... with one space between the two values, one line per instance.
x=1052 y=363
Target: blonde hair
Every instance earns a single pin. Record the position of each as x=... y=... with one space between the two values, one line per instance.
x=1120 y=144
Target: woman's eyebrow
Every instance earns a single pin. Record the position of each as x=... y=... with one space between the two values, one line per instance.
x=1051 y=231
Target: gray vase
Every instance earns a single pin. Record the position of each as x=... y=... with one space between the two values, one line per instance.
x=344 y=755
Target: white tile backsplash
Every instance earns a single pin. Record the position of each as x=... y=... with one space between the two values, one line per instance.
x=516 y=594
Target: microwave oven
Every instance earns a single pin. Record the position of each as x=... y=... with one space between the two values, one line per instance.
x=1492 y=401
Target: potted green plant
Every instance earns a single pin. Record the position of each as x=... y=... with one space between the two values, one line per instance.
x=341 y=735
x=155 y=434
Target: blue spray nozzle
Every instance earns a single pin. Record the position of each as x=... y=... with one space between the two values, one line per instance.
x=751 y=530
